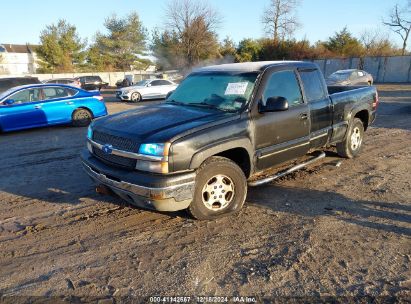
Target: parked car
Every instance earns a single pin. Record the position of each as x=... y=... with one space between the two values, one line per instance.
x=350 y=77
x=74 y=82
x=146 y=89
x=40 y=105
x=219 y=130
x=10 y=82
x=126 y=82
x=91 y=83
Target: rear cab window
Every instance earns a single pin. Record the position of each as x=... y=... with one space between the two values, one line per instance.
x=313 y=85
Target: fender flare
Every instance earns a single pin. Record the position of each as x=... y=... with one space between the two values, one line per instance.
x=355 y=110
x=219 y=147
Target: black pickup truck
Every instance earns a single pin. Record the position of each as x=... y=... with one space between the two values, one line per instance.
x=221 y=128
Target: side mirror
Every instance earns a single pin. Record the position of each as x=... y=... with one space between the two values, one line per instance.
x=149 y=84
x=274 y=104
x=9 y=101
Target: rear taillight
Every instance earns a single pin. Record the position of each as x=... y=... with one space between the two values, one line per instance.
x=375 y=102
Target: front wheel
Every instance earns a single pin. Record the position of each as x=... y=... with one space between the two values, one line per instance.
x=135 y=97
x=351 y=146
x=81 y=118
x=220 y=189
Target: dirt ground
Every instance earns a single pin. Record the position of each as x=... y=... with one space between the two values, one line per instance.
x=341 y=228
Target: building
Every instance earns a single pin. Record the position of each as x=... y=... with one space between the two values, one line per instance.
x=17 y=59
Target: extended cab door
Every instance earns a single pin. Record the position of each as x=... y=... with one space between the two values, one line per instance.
x=319 y=104
x=282 y=135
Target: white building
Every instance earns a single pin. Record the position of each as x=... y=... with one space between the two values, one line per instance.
x=17 y=59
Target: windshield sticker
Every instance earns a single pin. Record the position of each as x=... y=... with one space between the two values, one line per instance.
x=236 y=88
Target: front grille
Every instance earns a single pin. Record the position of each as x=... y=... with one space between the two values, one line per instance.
x=117 y=142
x=125 y=162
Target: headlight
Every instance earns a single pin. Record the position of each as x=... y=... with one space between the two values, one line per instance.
x=153 y=149
x=159 y=151
x=89 y=132
x=89 y=136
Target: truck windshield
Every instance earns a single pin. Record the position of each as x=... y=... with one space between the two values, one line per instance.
x=223 y=91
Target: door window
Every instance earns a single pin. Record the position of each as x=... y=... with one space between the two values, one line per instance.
x=312 y=81
x=164 y=82
x=156 y=83
x=28 y=95
x=284 y=84
x=57 y=92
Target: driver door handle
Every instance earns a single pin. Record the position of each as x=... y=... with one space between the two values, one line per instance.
x=37 y=107
x=303 y=116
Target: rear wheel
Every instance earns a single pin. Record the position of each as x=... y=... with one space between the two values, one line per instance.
x=81 y=117
x=220 y=189
x=351 y=146
x=135 y=97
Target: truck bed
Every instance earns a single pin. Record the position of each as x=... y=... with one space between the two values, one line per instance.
x=348 y=99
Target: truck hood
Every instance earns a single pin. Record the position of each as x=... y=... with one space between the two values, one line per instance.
x=161 y=122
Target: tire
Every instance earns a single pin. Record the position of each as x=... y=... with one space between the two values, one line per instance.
x=220 y=189
x=135 y=97
x=351 y=146
x=81 y=117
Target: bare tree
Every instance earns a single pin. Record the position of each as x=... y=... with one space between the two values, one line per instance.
x=400 y=23
x=378 y=43
x=279 y=18
x=195 y=23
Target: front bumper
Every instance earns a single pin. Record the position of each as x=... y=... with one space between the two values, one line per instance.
x=151 y=191
x=120 y=95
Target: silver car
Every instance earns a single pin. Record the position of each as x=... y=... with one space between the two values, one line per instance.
x=146 y=89
x=350 y=77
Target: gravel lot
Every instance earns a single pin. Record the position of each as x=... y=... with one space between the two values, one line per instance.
x=334 y=229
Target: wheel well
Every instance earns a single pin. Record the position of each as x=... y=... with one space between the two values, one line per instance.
x=363 y=115
x=240 y=157
x=85 y=108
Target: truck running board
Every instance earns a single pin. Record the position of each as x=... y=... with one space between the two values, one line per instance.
x=285 y=172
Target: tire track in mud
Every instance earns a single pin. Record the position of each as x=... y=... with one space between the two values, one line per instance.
x=40 y=162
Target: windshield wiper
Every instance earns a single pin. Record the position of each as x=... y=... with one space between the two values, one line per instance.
x=203 y=104
x=175 y=102
x=197 y=104
x=211 y=106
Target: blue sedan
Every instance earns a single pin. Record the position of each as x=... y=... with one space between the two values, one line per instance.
x=38 y=105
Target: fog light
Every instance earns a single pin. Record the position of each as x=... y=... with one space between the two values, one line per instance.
x=89 y=147
x=152 y=166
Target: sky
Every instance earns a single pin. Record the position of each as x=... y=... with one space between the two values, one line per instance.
x=22 y=21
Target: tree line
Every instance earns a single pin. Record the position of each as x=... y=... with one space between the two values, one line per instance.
x=189 y=37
